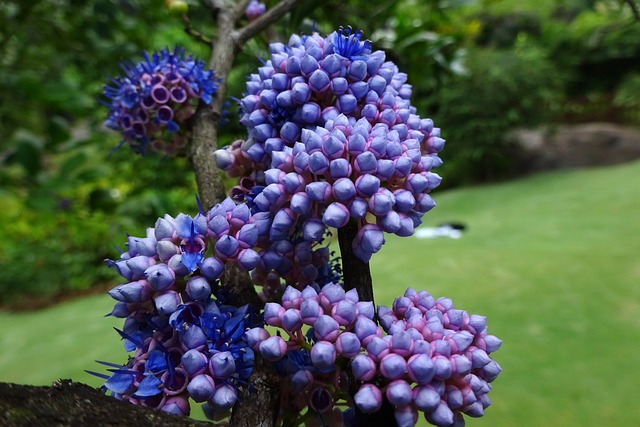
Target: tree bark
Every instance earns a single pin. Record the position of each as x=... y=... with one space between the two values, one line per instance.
x=67 y=403
x=357 y=274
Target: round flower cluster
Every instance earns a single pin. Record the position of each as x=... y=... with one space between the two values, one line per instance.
x=182 y=258
x=351 y=170
x=433 y=358
x=198 y=352
x=195 y=344
x=255 y=9
x=332 y=127
x=153 y=101
x=311 y=361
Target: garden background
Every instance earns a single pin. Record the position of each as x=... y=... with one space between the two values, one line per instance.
x=551 y=258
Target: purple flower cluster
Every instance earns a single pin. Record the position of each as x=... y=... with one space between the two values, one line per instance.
x=155 y=98
x=169 y=311
x=334 y=321
x=333 y=138
x=427 y=357
x=255 y=9
x=198 y=352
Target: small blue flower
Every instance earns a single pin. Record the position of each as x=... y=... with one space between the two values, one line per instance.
x=348 y=44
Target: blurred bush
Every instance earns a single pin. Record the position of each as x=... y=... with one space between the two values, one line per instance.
x=501 y=89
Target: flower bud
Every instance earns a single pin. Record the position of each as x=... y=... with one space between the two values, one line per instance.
x=301 y=380
x=366 y=329
x=177 y=405
x=201 y=387
x=193 y=337
x=344 y=312
x=222 y=365
x=367 y=185
x=490 y=371
x=343 y=189
x=336 y=215
x=227 y=246
x=426 y=398
x=442 y=415
x=248 y=259
x=194 y=362
x=393 y=366
x=167 y=302
x=313 y=230
x=406 y=416
x=323 y=356
x=368 y=398
x=365 y=309
x=138 y=291
x=318 y=163
x=309 y=311
x=326 y=328
x=273 y=348
x=443 y=368
x=358 y=208
x=348 y=344
x=381 y=202
x=318 y=191
x=273 y=314
x=421 y=368
x=255 y=336
x=319 y=81
x=291 y=320
x=198 y=288
x=160 y=277
x=377 y=348
x=224 y=397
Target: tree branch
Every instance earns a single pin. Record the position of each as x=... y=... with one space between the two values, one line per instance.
x=357 y=274
x=67 y=403
x=270 y=17
x=193 y=32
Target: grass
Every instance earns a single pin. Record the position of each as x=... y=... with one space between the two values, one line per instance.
x=553 y=261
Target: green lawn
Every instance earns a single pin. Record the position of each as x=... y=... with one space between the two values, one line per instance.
x=553 y=261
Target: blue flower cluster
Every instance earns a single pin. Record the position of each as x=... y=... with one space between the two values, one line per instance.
x=151 y=104
x=173 y=274
x=427 y=357
x=333 y=138
x=197 y=352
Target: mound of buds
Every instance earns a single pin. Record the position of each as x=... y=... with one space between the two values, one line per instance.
x=346 y=171
x=151 y=104
x=182 y=259
x=199 y=352
x=435 y=360
x=322 y=329
x=332 y=127
x=427 y=356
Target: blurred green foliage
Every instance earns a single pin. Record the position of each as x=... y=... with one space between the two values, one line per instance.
x=478 y=67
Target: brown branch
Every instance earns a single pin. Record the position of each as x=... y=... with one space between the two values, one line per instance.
x=194 y=33
x=270 y=17
x=357 y=274
x=67 y=403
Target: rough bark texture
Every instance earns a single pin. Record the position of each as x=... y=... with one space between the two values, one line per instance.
x=67 y=403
